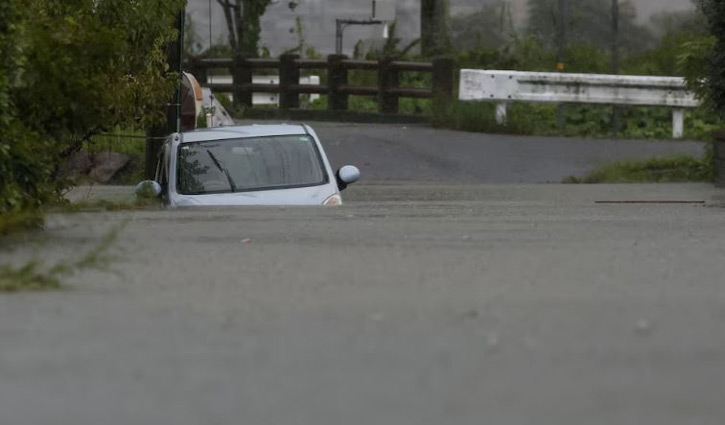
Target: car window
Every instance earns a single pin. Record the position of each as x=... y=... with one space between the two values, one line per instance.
x=248 y=164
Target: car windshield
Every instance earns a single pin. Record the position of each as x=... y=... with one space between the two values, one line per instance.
x=248 y=164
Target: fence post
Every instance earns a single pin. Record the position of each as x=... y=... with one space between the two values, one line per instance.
x=388 y=78
x=241 y=76
x=678 y=123
x=443 y=78
x=289 y=75
x=336 y=77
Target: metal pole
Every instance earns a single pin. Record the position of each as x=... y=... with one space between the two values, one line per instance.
x=340 y=25
x=173 y=108
x=176 y=59
x=616 y=112
x=339 y=28
x=615 y=36
x=560 y=65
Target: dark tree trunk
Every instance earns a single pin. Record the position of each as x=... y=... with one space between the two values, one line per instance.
x=435 y=27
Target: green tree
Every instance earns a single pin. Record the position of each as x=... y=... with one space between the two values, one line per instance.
x=23 y=173
x=72 y=69
x=586 y=21
x=489 y=28
x=710 y=78
x=435 y=32
x=243 y=24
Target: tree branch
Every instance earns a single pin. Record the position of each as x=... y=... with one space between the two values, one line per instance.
x=232 y=33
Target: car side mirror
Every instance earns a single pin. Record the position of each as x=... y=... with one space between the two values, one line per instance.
x=148 y=189
x=347 y=175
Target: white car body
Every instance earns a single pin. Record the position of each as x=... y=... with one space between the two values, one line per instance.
x=327 y=193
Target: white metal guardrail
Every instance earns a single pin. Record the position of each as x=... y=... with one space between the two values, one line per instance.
x=503 y=87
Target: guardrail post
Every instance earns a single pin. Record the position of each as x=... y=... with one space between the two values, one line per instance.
x=560 y=117
x=678 y=123
x=289 y=75
x=443 y=69
x=388 y=78
x=241 y=76
x=336 y=77
x=501 y=113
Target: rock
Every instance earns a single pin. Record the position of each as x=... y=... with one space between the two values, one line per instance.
x=76 y=165
x=106 y=165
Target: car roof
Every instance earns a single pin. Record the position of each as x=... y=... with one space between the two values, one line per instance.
x=239 y=131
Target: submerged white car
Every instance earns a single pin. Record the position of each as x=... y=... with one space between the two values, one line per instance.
x=248 y=165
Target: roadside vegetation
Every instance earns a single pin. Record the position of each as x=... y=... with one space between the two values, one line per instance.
x=72 y=72
x=35 y=275
x=677 y=169
x=671 y=44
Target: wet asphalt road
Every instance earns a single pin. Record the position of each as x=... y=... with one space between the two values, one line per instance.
x=417 y=153
x=415 y=304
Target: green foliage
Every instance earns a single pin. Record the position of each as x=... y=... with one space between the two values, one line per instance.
x=709 y=81
x=486 y=29
x=586 y=21
x=73 y=69
x=694 y=63
x=479 y=117
x=24 y=175
x=16 y=221
x=530 y=54
x=29 y=277
x=654 y=170
x=580 y=121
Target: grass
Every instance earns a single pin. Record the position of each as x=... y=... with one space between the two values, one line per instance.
x=102 y=205
x=580 y=121
x=33 y=276
x=654 y=170
x=17 y=221
x=27 y=278
x=126 y=141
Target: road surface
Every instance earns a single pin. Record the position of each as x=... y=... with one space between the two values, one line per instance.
x=418 y=153
x=414 y=304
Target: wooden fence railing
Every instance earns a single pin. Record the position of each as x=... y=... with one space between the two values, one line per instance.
x=336 y=86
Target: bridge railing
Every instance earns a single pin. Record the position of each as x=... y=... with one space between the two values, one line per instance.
x=336 y=85
x=503 y=87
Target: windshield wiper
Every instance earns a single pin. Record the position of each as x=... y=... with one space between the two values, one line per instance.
x=223 y=170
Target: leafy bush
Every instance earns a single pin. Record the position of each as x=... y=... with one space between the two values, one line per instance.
x=707 y=63
x=654 y=170
x=73 y=69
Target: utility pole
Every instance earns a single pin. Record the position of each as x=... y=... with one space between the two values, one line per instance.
x=173 y=108
x=616 y=113
x=615 y=36
x=560 y=57
x=176 y=64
